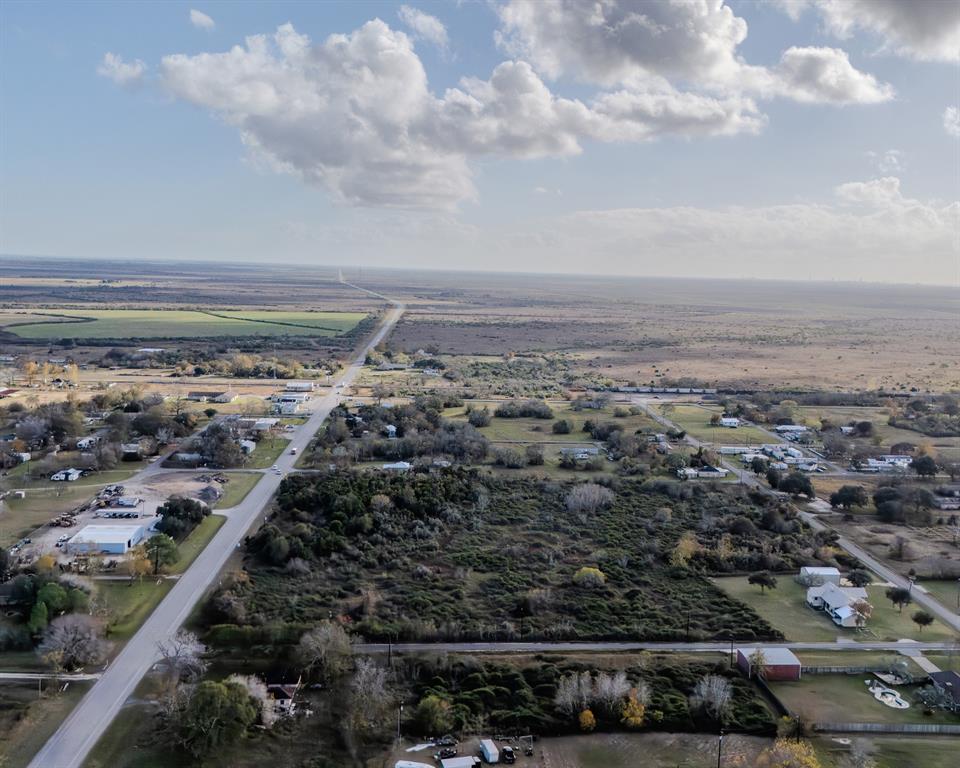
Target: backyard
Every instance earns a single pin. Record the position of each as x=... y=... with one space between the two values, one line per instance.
x=786 y=609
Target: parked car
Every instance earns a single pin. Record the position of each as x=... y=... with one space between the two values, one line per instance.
x=507 y=755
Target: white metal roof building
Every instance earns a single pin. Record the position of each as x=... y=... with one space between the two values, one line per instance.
x=112 y=539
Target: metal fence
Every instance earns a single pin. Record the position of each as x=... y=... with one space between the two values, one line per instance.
x=930 y=728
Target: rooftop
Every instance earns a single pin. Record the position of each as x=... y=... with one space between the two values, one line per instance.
x=775 y=656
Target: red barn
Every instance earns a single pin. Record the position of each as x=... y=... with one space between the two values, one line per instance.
x=778 y=663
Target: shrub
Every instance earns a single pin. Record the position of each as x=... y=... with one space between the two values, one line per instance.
x=589 y=577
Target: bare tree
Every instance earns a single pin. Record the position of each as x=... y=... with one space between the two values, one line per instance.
x=369 y=697
x=74 y=640
x=588 y=497
x=325 y=648
x=713 y=694
x=182 y=656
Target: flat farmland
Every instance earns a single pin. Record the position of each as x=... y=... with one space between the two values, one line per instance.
x=170 y=323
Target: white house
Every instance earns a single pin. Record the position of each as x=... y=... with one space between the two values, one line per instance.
x=836 y=602
x=398 y=466
x=299 y=386
x=86 y=443
x=286 y=409
x=248 y=446
x=729 y=421
x=815 y=576
x=786 y=429
x=112 y=539
x=67 y=475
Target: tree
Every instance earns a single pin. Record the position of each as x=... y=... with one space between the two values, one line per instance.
x=848 y=496
x=257 y=690
x=763 y=579
x=587 y=721
x=434 y=715
x=759 y=465
x=534 y=455
x=922 y=619
x=592 y=578
x=796 y=483
x=924 y=466
x=773 y=477
x=54 y=597
x=161 y=550
x=713 y=695
x=368 y=700
x=562 y=427
x=898 y=596
x=862 y=611
x=180 y=515
x=325 y=649
x=212 y=715
x=635 y=707
x=182 y=657
x=786 y=753
x=859 y=577
x=479 y=417
x=687 y=546
x=77 y=638
x=588 y=497
x=758 y=663
x=38 y=618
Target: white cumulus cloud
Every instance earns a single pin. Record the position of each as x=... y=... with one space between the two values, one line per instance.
x=423 y=26
x=121 y=72
x=356 y=115
x=200 y=20
x=951 y=121
x=692 y=44
x=928 y=30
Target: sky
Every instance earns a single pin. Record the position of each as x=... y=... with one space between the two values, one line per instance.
x=797 y=139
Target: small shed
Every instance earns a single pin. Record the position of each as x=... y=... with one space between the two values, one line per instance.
x=779 y=663
x=459 y=762
x=67 y=475
x=814 y=575
x=729 y=421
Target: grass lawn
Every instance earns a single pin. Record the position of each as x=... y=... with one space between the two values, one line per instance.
x=26 y=722
x=946 y=661
x=845 y=698
x=238 y=486
x=944 y=591
x=266 y=452
x=695 y=420
x=124 y=471
x=892 y=751
x=164 y=323
x=194 y=544
x=130 y=602
x=19 y=517
x=785 y=607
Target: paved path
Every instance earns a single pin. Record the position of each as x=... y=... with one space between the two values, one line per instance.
x=76 y=736
x=904 y=646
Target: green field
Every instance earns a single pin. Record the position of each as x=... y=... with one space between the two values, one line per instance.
x=785 y=607
x=129 y=603
x=695 y=420
x=266 y=452
x=239 y=484
x=893 y=752
x=944 y=591
x=195 y=543
x=164 y=323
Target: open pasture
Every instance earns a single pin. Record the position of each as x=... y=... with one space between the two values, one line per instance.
x=168 y=323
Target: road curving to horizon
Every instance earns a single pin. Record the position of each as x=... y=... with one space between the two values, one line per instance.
x=72 y=742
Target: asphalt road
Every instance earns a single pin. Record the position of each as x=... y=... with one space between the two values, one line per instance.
x=76 y=736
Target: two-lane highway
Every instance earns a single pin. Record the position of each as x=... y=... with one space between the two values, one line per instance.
x=72 y=742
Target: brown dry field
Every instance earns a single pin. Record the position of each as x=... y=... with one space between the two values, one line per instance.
x=750 y=334
x=726 y=333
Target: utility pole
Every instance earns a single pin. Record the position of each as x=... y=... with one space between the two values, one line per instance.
x=719 y=747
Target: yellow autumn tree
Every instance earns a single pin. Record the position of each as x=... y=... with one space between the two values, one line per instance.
x=686 y=548
x=587 y=721
x=46 y=562
x=788 y=754
x=634 y=710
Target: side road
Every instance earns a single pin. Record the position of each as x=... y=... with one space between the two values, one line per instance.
x=76 y=736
